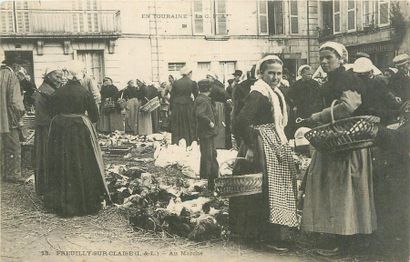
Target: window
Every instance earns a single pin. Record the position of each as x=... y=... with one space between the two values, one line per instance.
x=336 y=16
x=294 y=26
x=226 y=70
x=94 y=62
x=198 y=17
x=384 y=16
x=220 y=23
x=175 y=66
x=351 y=15
x=270 y=15
x=202 y=69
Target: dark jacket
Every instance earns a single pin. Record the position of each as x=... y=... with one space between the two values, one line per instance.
x=377 y=100
x=131 y=92
x=217 y=93
x=181 y=91
x=340 y=81
x=74 y=99
x=205 y=113
x=256 y=111
x=400 y=85
x=305 y=95
x=110 y=91
x=42 y=103
x=239 y=94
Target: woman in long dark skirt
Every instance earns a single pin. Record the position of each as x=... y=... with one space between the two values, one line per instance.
x=181 y=108
x=52 y=80
x=110 y=117
x=75 y=184
x=260 y=124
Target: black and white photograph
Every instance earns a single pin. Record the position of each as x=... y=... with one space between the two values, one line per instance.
x=205 y=130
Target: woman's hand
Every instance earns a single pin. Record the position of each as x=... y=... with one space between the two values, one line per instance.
x=250 y=155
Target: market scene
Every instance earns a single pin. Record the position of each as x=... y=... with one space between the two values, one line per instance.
x=173 y=130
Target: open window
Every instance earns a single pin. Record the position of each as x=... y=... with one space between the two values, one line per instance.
x=270 y=15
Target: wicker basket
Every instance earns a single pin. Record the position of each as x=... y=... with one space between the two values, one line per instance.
x=151 y=105
x=344 y=134
x=29 y=121
x=241 y=185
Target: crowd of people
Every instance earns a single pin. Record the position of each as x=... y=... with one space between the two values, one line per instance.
x=347 y=195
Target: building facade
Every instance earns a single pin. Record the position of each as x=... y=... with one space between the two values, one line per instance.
x=151 y=39
x=365 y=26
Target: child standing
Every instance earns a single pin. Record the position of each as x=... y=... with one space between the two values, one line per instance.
x=205 y=115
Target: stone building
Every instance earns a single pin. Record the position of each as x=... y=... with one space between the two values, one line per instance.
x=144 y=39
x=365 y=26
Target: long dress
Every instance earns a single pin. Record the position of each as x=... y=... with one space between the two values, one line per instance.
x=217 y=94
x=110 y=120
x=131 y=94
x=145 y=125
x=42 y=123
x=181 y=106
x=257 y=217
x=75 y=184
x=339 y=195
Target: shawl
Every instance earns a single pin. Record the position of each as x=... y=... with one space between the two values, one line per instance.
x=276 y=98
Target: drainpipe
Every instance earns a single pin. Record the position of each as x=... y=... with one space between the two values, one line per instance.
x=308 y=31
x=14 y=16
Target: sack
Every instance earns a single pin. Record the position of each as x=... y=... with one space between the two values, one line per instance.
x=344 y=134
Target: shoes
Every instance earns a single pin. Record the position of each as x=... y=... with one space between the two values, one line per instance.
x=329 y=252
x=276 y=247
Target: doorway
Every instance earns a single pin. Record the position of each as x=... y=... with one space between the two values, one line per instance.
x=25 y=59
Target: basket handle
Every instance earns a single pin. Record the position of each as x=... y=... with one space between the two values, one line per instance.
x=332 y=107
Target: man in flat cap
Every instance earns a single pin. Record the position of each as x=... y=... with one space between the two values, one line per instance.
x=205 y=118
x=400 y=83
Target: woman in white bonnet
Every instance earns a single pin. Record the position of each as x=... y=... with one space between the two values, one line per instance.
x=260 y=124
x=339 y=190
x=75 y=175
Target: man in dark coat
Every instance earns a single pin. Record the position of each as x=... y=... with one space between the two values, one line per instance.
x=205 y=117
x=305 y=98
x=181 y=103
x=239 y=94
x=11 y=112
x=393 y=195
x=400 y=83
x=376 y=98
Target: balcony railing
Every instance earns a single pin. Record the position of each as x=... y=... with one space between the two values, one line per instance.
x=54 y=22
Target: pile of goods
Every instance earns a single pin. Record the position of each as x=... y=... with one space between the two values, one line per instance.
x=168 y=202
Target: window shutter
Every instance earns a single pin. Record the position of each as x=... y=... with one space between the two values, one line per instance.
x=198 y=17
x=294 y=25
x=384 y=13
x=263 y=17
x=220 y=19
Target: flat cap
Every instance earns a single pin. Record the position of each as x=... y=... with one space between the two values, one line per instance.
x=401 y=59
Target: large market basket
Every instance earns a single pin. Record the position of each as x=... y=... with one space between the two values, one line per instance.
x=344 y=134
x=241 y=185
x=151 y=105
